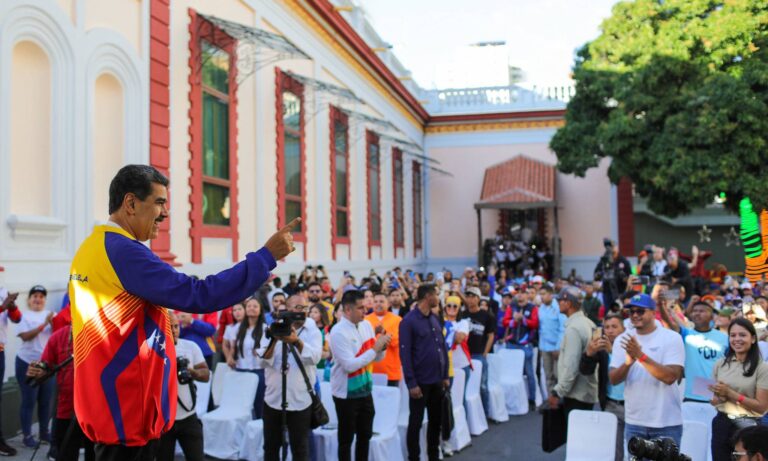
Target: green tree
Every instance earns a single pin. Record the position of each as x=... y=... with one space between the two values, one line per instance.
x=675 y=93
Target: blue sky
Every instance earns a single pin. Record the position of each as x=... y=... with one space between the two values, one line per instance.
x=541 y=35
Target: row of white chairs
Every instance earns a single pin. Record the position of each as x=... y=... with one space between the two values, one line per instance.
x=229 y=432
x=592 y=434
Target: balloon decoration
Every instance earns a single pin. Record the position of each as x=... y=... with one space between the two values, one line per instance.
x=754 y=238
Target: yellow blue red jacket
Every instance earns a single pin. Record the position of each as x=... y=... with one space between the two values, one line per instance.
x=125 y=361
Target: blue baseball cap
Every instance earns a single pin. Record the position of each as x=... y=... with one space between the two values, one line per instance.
x=643 y=301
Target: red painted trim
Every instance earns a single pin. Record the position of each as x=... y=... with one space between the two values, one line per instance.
x=283 y=83
x=199 y=29
x=159 y=114
x=328 y=13
x=337 y=116
x=626 y=217
x=397 y=176
x=372 y=139
x=557 y=113
x=417 y=195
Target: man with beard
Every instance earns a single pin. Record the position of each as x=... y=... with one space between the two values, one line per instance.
x=315 y=296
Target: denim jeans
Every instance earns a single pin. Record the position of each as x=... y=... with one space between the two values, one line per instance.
x=42 y=395
x=630 y=430
x=528 y=369
x=483 y=381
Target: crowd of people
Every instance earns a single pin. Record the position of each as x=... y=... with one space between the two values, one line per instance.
x=628 y=358
x=624 y=342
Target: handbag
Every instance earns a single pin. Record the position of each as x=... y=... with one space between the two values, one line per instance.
x=553 y=428
x=318 y=414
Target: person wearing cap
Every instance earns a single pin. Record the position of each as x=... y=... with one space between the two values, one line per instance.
x=723 y=318
x=576 y=391
x=649 y=360
x=34 y=329
x=482 y=329
x=8 y=311
x=704 y=345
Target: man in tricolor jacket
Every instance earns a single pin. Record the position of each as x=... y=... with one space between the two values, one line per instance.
x=125 y=362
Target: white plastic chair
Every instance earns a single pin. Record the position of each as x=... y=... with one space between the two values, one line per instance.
x=380 y=379
x=252 y=444
x=385 y=443
x=217 y=381
x=511 y=380
x=591 y=436
x=473 y=403
x=326 y=437
x=223 y=428
x=695 y=441
x=703 y=413
x=460 y=437
x=497 y=405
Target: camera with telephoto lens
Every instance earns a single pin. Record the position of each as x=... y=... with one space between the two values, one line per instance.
x=183 y=373
x=282 y=326
x=661 y=449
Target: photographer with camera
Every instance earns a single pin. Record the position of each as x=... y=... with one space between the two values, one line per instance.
x=355 y=347
x=290 y=329
x=187 y=429
x=613 y=270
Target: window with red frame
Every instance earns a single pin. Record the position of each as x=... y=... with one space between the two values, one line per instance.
x=213 y=136
x=215 y=158
x=290 y=152
x=397 y=195
x=339 y=176
x=373 y=163
x=416 y=206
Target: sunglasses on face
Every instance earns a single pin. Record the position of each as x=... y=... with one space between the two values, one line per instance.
x=451 y=305
x=639 y=312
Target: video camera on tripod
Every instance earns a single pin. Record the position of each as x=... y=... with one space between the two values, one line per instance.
x=283 y=325
x=660 y=449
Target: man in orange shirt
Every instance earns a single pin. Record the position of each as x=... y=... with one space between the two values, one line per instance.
x=384 y=321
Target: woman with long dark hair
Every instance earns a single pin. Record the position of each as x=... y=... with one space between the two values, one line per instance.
x=248 y=338
x=230 y=335
x=741 y=392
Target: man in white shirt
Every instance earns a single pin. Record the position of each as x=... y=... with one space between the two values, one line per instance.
x=187 y=430
x=308 y=342
x=354 y=347
x=650 y=362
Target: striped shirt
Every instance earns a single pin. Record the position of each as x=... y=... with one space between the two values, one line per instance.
x=353 y=357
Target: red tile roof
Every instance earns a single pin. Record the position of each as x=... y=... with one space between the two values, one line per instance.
x=518 y=181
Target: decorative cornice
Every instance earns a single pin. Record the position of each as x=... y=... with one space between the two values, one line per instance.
x=495 y=126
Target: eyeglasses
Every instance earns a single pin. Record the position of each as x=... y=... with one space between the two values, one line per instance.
x=736 y=455
x=639 y=312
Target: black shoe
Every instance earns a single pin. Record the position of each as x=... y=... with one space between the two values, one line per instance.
x=6 y=450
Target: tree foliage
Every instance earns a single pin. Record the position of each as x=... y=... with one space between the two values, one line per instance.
x=675 y=93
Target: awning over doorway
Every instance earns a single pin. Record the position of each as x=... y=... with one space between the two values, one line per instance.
x=518 y=183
